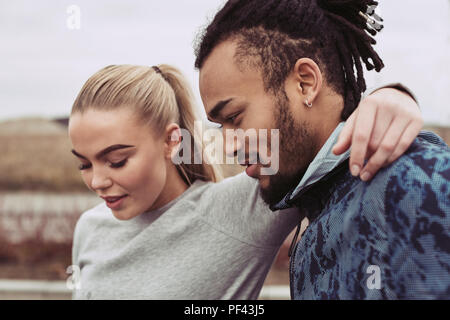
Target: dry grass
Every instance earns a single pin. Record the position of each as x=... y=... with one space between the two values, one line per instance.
x=33 y=259
x=41 y=163
x=36 y=156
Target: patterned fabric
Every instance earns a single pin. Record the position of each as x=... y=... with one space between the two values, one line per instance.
x=385 y=239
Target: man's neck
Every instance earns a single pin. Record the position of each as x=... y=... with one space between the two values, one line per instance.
x=327 y=116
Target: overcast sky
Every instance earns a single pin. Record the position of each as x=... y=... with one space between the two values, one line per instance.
x=44 y=63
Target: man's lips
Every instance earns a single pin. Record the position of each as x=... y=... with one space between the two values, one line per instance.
x=249 y=162
x=252 y=171
x=254 y=166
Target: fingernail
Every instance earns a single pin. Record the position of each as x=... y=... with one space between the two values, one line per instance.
x=355 y=170
x=365 y=176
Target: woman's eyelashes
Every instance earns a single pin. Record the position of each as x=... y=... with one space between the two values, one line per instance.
x=113 y=165
x=119 y=164
x=83 y=167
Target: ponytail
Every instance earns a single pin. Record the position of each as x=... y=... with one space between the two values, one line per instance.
x=188 y=115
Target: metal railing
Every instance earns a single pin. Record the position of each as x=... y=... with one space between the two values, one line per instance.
x=57 y=290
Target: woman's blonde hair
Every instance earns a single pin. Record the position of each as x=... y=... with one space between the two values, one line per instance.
x=158 y=96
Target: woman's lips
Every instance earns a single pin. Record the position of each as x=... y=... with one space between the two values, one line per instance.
x=115 y=203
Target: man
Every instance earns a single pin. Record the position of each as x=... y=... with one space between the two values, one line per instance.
x=291 y=65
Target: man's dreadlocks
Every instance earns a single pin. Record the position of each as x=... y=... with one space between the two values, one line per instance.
x=334 y=33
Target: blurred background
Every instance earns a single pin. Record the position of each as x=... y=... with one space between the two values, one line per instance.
x=50 y=48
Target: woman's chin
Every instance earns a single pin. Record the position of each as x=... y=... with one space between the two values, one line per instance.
x=124 y=215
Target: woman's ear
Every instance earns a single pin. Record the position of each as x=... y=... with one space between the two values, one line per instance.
x=173 y=140
x=308 y=76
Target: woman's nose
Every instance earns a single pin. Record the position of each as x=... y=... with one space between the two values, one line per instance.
x=100 y=180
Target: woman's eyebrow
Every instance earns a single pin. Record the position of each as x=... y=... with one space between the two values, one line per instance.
x=104 y=152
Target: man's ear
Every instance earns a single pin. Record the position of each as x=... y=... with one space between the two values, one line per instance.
x=173 y=140
x=309 y=78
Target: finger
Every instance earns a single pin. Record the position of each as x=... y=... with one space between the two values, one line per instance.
x=408 y=137
x=383 y=121
x=370 y=153
x=345 y=137
x=385 y=150
x=361 y=136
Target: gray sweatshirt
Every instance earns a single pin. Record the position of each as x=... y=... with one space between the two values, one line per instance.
x=215 y=241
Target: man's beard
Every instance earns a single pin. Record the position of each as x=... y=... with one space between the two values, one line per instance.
x=296 y=152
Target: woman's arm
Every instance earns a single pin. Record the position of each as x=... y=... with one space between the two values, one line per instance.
x=380 y=130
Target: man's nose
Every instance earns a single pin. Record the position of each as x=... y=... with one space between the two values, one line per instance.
x=100 y=180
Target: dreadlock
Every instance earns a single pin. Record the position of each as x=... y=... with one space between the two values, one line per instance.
x=334 y=33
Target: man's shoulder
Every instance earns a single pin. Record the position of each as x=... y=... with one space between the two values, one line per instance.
x=427 y=160
x=421 y=174
x=428 y=151
x=414 y=188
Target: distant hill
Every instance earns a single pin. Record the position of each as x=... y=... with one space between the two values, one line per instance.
x=62 y=121
x=32 y=126
x=36 y=156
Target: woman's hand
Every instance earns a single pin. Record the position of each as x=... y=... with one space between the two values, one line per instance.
x=380 y=130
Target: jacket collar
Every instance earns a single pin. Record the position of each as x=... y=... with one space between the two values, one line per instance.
x=324 y=162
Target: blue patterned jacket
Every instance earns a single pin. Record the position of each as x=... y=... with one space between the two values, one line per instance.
x=385 y=239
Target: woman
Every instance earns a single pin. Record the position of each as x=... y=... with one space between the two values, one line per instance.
x=165 y=231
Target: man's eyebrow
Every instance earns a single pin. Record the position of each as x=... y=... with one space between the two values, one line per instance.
x=214 y=113
x=104 y=152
